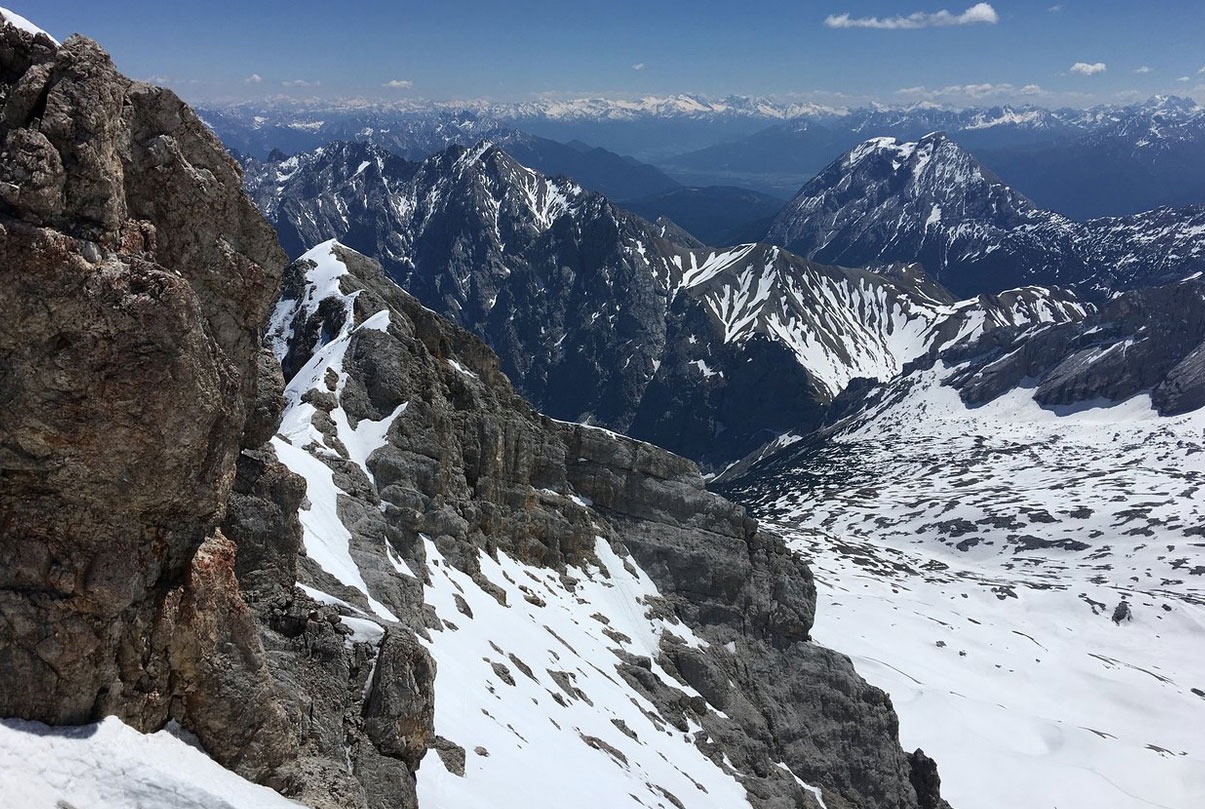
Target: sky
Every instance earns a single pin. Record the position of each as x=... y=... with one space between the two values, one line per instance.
x=1075 y=53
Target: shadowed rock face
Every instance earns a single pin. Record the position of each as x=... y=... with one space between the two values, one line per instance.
x=1142 y=340
x=137 y=279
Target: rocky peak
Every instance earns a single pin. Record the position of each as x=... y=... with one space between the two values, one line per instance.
x=931 y=201
x=886 y=185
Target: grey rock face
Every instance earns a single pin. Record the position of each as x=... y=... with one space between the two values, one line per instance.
x=401 y=703
x=791 y=700
x=1145 y=339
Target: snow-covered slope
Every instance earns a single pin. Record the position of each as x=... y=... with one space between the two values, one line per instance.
x=108 y=765
x=843 y=324
x=972 y=560
x=930 y=201
x=12 y=18
x=1027 y=581
x=531 y=677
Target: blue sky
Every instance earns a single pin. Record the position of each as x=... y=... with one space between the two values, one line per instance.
x=829 y=52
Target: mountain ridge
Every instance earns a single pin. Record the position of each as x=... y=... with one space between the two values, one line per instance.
x=595 y=315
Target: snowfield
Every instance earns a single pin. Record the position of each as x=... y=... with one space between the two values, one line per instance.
x=971 y=562
x=16 y=20
x=109 y=765
x=534 y=680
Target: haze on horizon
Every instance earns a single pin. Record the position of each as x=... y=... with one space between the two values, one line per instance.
x=826 y=52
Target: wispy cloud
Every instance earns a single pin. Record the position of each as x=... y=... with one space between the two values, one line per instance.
x=1202 y=70
x=978 y=13
x=1088 y=68
x=169 y=81
x=638 y=66
x=1143 y=69
x=254 y=78
x=399 y=84
x=300 y=83
x=1184 y=78
x=973 y=92
x=1056 y=8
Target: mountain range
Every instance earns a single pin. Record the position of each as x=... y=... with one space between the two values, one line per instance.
x=601 y=316
x=1102 y=161
x=418 y=469
x=931 y=201
x=258 y=133
x=1111 y=160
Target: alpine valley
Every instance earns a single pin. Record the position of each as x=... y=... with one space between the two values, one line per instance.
x=445 y=455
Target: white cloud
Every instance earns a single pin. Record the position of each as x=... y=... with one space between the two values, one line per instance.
x=399 y=84
x=1056 y=8
x=1184 y=78
x=638 y=66
x=1202 y=70
x=1088 y=69
x=980 y=12
x=1143 y=69
x=300 y=83
x=254 y=78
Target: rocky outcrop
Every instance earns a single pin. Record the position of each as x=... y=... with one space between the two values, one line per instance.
x=1143 y=340
x=138 y=278
x=783 y=698
x=467 y=470
x=150 y=539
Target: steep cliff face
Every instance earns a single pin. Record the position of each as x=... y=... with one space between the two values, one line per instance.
x=137 y=278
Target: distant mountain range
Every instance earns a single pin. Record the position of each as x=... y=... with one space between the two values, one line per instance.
x=257 y=133
x=1103 y=161
x=931 y=201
